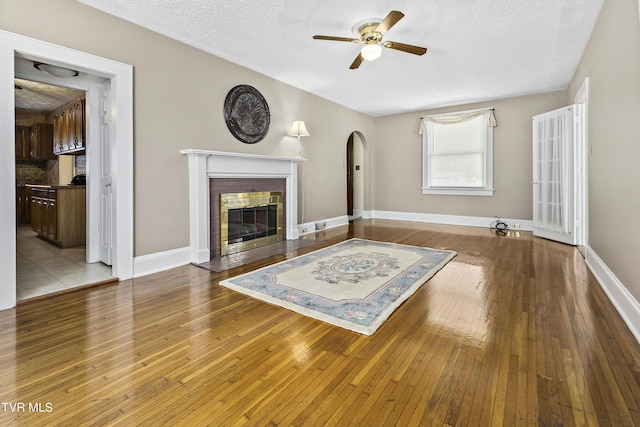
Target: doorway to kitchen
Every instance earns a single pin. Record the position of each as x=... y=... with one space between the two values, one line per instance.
x=120 y=78
x=51 y=171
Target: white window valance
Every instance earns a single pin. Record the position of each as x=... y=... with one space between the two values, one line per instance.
x=457 y=117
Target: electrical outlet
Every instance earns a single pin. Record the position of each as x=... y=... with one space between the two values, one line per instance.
x=305 y=229
x=515 y=225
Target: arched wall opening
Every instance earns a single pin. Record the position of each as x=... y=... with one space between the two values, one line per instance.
x=358 y=175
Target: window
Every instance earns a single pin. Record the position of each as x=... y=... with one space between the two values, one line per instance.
x=458 y=153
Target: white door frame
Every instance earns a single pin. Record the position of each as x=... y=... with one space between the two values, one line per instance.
x=121 y=76
x=581 y=101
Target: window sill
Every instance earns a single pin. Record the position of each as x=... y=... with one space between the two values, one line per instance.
x=459 y=191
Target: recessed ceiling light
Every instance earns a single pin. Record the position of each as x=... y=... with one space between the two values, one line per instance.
x=54 y=70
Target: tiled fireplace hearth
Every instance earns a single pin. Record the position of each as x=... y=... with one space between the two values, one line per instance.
x=214 y=172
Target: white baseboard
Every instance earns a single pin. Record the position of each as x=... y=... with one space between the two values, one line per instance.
x=323 y=224
x=306 y=228
x=620 y=297
x=362 y=213
x=469 y=221
x=335 y=222
x=160 y=261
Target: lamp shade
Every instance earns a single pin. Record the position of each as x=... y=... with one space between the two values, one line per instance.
x=298 y=129
x=371 y=52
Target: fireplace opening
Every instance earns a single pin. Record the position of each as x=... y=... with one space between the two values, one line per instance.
x=249 y=220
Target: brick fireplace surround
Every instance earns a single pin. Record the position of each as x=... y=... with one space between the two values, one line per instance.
x=206 y=168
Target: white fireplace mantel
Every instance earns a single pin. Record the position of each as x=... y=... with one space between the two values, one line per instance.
x=204 y=164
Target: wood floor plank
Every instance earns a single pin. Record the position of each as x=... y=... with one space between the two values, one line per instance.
x=515 y=330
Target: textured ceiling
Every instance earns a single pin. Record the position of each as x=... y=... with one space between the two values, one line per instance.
x=477 y=49
x=34 y=96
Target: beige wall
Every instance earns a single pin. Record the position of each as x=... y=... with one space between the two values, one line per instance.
x=398 y=154
x=179 y=92
x=178 y=96
x=612 y=64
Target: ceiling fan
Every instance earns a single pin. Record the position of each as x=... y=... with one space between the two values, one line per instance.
x=370 y=33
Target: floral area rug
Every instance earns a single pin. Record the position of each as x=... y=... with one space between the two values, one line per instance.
x=355 y=284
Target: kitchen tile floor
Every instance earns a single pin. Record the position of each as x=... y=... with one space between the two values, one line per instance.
x=43 y=268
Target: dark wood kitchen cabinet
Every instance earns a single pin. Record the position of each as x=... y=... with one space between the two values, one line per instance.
x=69 y=128
x=77 y=126
x=23 y=205
x=37 y=199
x=60 y=144
x=58 y=214
x=22 y=142
x=41 y=142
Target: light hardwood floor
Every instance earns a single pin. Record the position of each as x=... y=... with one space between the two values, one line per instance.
x=513 y=331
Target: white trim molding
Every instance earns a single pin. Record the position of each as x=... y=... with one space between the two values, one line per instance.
x=323 y=224
x=161 y=261
x=450 y=191
x=306 y=228
x=334 y=222
x=362 y=213
x=620 y=297
x=469 y=221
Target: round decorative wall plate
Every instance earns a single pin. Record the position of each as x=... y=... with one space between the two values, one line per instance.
x=247 y=114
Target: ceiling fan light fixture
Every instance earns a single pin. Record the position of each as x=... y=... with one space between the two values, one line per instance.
x=370 y=33
x=371 y=52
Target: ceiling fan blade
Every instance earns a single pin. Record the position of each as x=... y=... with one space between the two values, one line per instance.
x=337 y=39
x=389 y=21
x=416 y=50
x=356 y=63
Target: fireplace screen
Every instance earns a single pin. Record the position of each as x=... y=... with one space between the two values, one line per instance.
x=249 y=220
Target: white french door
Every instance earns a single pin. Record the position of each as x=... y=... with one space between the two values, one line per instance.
x=106 y=194
x=554 y=183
